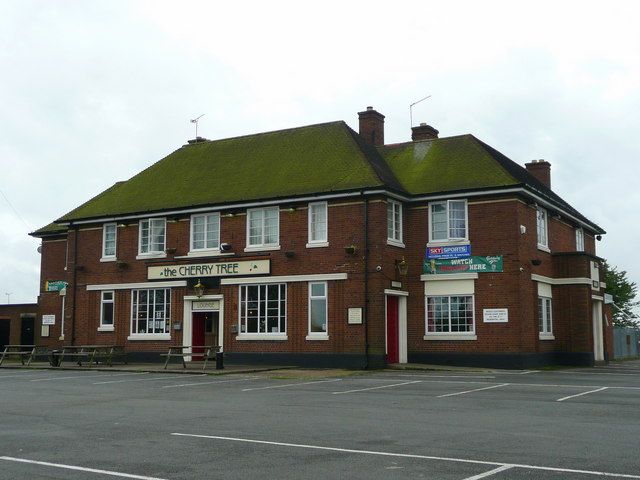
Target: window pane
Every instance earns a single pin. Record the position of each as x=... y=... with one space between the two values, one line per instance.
x=151 y=311
x=144 y=236
x=317 y=289
x=107 y=314
x=318 y=315
x=438 y=221
x=318 y=222
x=213 y=231
x=457 y=219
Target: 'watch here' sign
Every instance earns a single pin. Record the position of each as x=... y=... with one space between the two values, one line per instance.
x=220 y=269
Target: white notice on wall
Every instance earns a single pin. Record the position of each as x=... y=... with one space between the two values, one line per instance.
x=495 y=315
x=48 y=319
x=355 y=316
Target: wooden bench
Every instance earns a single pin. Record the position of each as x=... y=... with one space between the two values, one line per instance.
x=22 y=351
x=90 y=353
x=208 y=353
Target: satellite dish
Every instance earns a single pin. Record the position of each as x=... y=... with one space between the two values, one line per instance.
x=39 y=248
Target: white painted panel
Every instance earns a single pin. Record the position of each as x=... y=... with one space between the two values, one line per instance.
x=544 y=290
x=449 y=287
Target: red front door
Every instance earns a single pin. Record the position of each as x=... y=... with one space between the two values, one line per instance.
x=392 y=330
x=197 y=335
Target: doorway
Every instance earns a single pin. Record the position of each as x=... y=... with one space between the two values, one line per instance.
x=5 y=333
x=204 y=331
x=396 y=326
x=27 y=331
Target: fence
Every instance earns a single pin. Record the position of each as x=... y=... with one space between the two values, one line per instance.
x=626 y=342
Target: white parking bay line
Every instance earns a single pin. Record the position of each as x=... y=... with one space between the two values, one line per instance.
x=50 y=379
x=446 y=376
x=581 y=394
x=164 y=377
x=376 y=388
x=80 y=469
x=474 y=390
x=490 y=472
x=409 y=455
x=290 y=385
x=209 y=383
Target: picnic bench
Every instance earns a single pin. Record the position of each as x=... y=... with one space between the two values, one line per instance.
x=22 y=351
x=89 y=353
x=207 y=352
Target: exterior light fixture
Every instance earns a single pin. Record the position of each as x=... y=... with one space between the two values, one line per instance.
x=350 y=249
x=198 y=288
x=402 y=266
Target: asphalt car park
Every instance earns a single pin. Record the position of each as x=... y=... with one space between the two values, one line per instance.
x=558 y=424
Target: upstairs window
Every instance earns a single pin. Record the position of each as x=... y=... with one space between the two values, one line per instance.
x=541 y=226
x=394 y=222
x=579 y=240
x=109 y=234
x=448 y=221
x=263 y=227
x=152 y=236
x=205 y=232
x=318 y=223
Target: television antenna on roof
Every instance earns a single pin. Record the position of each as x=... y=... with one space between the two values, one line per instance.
x=411 y=107
x=195 y=120
x=8 y=294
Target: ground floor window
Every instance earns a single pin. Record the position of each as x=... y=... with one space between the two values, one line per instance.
x=450 y=314
x=263 y=308
x=545 y=326
x=106 y=310
x=150 y=311
x=318 y=308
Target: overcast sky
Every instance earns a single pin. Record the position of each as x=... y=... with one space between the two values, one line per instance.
x=92 y=92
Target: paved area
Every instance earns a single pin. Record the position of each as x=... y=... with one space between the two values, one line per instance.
x=462 y=425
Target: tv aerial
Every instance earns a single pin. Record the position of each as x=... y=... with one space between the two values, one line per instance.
x=411 y=109
x=195 y=120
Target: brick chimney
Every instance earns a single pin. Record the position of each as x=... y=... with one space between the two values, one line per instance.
x=423 y=132
x=541 y=169
x=372 y=126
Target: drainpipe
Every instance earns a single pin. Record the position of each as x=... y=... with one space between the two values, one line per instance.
x=366 y=281
x=75 y=276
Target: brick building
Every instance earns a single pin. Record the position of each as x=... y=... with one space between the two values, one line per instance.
x=17 y=324
x=322 y=246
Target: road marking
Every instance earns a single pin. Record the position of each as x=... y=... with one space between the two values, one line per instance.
x=409 y=455
x=26 y=374
x=209 y=383
x=448 y=376
x=559 y=385
x=290 y=385
x=580 y=394
x=165 y=377
x=81 y=469
x=49 y=379
x=474 y=390
x=597 y=373
x=376 y=388
x=490 y=472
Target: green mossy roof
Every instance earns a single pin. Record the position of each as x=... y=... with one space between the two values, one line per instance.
x=51 y=229
x=445 y=164
x=312 y=159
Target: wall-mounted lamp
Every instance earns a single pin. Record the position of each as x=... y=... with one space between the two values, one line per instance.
x=122 y=225
x=536 y=262
x=350 y=249
x=225 y=247
x=198 y=288
x=289 y=210
x=403 y=267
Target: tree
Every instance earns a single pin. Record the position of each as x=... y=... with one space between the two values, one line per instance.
x=624 y=293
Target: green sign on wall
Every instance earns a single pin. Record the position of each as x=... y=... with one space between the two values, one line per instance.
x=55 y=285
x=490 y=264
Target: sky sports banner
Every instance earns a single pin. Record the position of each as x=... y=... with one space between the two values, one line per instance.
x=490 y=264
x=449 y=251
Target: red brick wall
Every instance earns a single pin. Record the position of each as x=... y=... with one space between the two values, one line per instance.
x=13 y=314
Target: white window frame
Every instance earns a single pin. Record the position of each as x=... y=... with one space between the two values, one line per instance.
x=449 y=238
x=111 y=326
x=206 y=216
x=105 y=257
x=166 y=335
x=262 y=246
x=579 y=240
x=468 y=335
x=318 y=242
x=152 y=253
x=318 y=335
x=263 y=335
x=542 y=228
x=396 y=237
x=547 y=318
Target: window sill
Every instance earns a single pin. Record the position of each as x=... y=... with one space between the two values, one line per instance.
x=108 y=259
x=106 y=328
x=546 y=336
x=395 y=243
x=317 y=244
x=205 y=253
x=145 y=256
x=317 y=337
x=451 y=336
x=149 y=336
x=262 y=336
x=544 y=248
x=262 y=248
x=447 y=243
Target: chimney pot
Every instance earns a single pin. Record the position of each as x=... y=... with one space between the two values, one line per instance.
x=372 y=126
x=541 y=170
